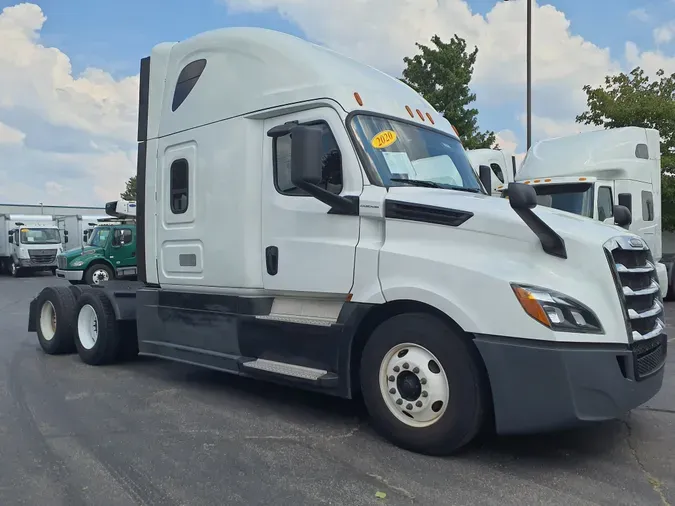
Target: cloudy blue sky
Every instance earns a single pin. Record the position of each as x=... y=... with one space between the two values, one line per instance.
x=68 y=68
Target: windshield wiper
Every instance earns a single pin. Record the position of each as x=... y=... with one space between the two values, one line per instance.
x=417 y=182
x=463 y=189
x=431 y=184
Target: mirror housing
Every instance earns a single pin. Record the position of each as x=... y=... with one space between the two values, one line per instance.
x=11 y=238
x=485 y=175
x=522 y=196
x=622 y=216
x=65 y=239
x=306 y=151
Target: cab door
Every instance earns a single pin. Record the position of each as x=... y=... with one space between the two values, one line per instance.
x=123 y=247
x=306 y=249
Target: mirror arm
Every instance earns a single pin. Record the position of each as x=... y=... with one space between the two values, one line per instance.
x=551 y=242
x=338 y=205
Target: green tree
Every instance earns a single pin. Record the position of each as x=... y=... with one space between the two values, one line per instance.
x=633 y=99
x=441 y=74
x=130 y=192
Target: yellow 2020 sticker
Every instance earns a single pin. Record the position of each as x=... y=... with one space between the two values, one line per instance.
x=384 y=139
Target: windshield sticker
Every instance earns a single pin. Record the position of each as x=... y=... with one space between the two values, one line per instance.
x=384 y=139
x=399 y=163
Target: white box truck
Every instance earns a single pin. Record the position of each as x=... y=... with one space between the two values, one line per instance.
x=307 y=219
x=29 y=243
x=79 y=226
x=501 y=163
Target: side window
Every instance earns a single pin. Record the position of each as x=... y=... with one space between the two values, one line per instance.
x=187 y=79
x=498 y=171
x=647 y=206
x=332 y=164
x=605 y=203
x=16 y=237
x=179 y=177
x=122 y=235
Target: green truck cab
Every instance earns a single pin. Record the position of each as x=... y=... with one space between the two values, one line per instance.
x=110 y=253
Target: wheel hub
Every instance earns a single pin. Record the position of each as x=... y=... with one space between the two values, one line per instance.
x=414 y=385
x=409 y=386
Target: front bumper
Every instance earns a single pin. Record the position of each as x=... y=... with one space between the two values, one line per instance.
x=27 y=263
x=69 y=275
x=538 y=386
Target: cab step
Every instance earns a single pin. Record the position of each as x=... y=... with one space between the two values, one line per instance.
x=291 y=371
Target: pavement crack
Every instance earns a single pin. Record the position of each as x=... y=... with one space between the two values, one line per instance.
x=655 y=483
x=400 y=490
x=344 y=435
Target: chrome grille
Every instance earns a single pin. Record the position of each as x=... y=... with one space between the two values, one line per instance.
x=637 y=284
x=61 y=262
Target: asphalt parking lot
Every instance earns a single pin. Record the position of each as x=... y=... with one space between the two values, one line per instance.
x=156 y=433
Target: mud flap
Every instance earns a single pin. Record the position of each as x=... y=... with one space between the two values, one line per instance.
x=32 y=316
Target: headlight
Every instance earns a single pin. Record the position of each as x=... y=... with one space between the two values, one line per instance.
x=557 y=311
x=77 y=263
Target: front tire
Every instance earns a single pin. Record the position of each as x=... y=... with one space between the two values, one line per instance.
x=97 y=338
x=97 y=274
x=423 y=384
x=55 y=320
x=14 y=270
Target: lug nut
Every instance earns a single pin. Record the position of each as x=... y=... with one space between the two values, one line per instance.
x=391 y=378
x=408 y=407
x=399 y=401
x=392 y=391
x=397 y=369
x=423 y=381
x=418 y=404
x=416 y=370
x=425 y=394
x=405 y=365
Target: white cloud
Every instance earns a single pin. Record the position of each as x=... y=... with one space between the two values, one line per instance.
x=507 y=140
x=93 y=115
x=664 y=33
x=640 y=14
x=9 y=135
x=562 y=61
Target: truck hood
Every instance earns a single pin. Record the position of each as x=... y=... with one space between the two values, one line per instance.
x=76 y=252
x=494 y=216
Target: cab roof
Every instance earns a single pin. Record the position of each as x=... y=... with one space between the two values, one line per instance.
x=618 y=153
x=231 y=72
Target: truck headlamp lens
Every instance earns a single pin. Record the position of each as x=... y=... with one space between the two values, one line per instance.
x=556 y=310
x=77 y=263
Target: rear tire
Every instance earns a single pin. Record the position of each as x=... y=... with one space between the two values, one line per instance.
x=423 y=384
x=97 y=338
x=55 y=320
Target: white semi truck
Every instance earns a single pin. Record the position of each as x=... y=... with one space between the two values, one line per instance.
x=306 y=219
x=591 y=173
x=502 y=164
x=29 y=243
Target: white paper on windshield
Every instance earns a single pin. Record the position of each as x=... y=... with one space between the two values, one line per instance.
x=30 y=239
x=438 y=168
x=399 y=163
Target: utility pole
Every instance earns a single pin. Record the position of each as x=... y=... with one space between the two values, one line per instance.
x=529 y=72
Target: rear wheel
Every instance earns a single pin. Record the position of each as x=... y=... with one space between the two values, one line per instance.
x=97 y=274
x=56 y=316
x=423 y=385
x=97 y=337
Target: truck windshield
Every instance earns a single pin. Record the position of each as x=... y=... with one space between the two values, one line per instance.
x=40 y=236
x=574 y=198
x=402 y=154
x=99 y=237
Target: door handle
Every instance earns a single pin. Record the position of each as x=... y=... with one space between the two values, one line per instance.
x=272 y=260
x=133 y=253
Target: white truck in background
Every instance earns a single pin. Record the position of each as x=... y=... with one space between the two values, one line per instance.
x=79 y=226
x=306 y=219
x=501 y=163
x=29 y=243
x=591 y=173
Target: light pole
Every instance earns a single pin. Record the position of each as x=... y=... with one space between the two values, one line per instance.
x=529 y=72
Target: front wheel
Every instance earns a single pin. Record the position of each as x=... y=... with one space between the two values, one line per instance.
x=14 y=270
x=97 y=274
x=423 y=384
